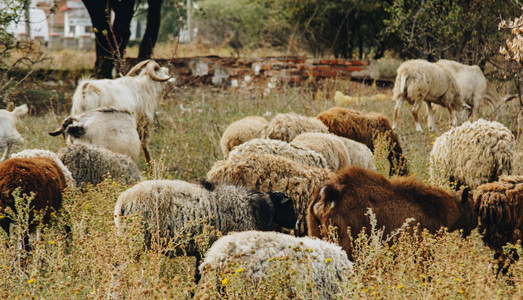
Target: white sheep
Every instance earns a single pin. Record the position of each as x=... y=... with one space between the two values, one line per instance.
x=276 y=147
x=28 y=153
x=473 y=153
x=90 y=164
x=104 y=127
x=8 y=133
x=473 y=85
x=419 y=81
x=240 y=131
x=359 y=154
x=175 y=208
x=328 y=145
x=254 y=257
x=265 y=172
x=138 y=95
x=287 y=126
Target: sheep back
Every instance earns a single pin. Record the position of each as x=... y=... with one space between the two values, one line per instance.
x=287 y=126
x=241 y=131
x=328 y=145
x=90 y=164
x=301 y=155
x=28 y=153
x=500 y=210
x=255 y=253
x=473 y=153
x=40 y=175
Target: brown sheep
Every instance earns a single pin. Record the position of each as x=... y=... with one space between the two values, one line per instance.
x=500 y=211
x=364 y=127
x=344 y=199
x=40 y=175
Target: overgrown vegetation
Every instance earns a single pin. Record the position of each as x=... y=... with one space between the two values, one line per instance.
x=96 y=263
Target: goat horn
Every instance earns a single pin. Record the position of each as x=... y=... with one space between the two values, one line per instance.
x=68 y=121
x=137 y=67
x=151 y=67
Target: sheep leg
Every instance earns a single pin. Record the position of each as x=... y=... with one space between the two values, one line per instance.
x=6 y=153
x=430 y=119
x=143 y=132
x=414 y=111
x=396 y=112
x=453 y=117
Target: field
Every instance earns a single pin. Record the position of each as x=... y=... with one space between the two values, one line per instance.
x=96 y=263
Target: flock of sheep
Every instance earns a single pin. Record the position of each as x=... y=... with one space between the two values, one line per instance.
x=293 y=173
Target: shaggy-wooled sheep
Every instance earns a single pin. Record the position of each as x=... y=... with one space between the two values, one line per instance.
x=174 y=208
x=254 y=257
x=473 y=153
x=364 y=128
x=28 y=153
x=344 y=199
x=287 y=126
x=241 y=131
x=90 y=165
x=265 y=172
x=299 y=155
x=500 y=210
x=419 y=81
x=359 y=154
x=40 y=175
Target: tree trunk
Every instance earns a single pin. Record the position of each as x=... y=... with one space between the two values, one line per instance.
x=151 y=32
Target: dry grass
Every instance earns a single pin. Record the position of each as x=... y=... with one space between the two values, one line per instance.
x=97 y=263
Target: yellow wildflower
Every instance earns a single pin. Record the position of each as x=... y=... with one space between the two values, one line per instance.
x=225 y=281
x=51 y=242
x=30 y=280
x=401 y=286
x=239 y=270
x=461 y=292
x=328 y=259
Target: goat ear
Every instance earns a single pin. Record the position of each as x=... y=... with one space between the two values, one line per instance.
x=465 y=195
x=76 y=131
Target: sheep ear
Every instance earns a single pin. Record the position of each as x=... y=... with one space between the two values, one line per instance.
x=279 y=197
x=465 y=195
x=330 y=193
x=76 y=131
x=207 y=185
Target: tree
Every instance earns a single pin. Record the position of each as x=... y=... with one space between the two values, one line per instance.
x=112 y=39
x=464 y=30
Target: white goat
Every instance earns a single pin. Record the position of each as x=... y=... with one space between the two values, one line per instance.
x=419 y=80
x=473 y=85
x=8 y=133
x=139 y=95
x=104 y=127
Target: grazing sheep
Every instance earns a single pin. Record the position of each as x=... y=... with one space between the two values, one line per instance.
x=328 y=145
x=104 y=127
x=286 y=127
x=473 y=153
x=255 y=254
x=89 y=164
x=138 y=95
x=419 y=81
x=364 y=128
x=500 y=210
x=265 y=172
x=344 y=199
x=8 y=133
x=40 y=175
x=28 y=153
x=240 y=132
x=299 y=155
x=174 y=208
x=472 y=84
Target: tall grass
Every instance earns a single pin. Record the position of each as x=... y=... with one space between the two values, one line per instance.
x=94 y=262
